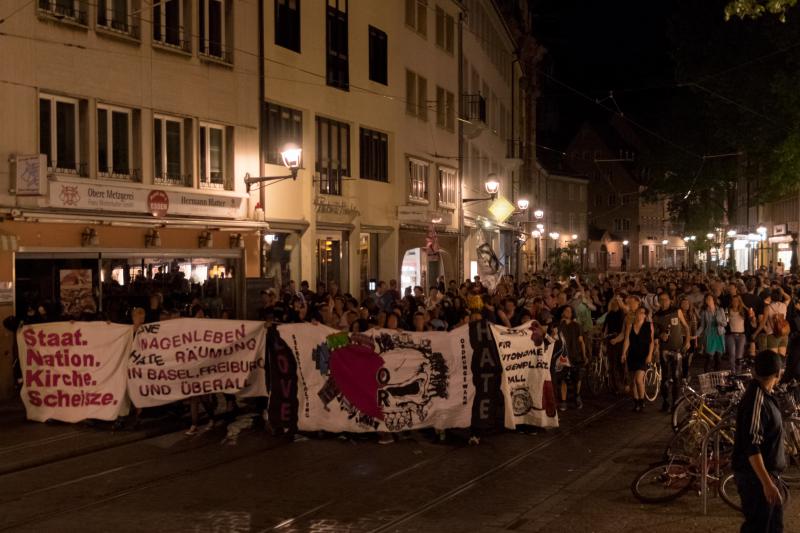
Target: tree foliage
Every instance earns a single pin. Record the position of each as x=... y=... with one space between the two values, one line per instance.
x=756 y=8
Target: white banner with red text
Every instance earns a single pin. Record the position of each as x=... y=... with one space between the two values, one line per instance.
x=186 y=357
x=74 y=371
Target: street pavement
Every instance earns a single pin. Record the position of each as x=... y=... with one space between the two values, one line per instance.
x=576 y=478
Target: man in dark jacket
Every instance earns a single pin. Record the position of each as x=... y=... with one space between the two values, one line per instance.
x=759 y=455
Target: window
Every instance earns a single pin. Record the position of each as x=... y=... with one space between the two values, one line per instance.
x=333 y=154
x=374 y=155
x=572 y=222
x=168 y=27
x=114 y=142
x=59 y=134
x=571 y=194
x=416 y=95
x=168 y=151
x=71 y=10
x=116 y=15
x=447 y=188
x=287 y=24
x=417 y=16
x=445 y=109
x=612 y=200
x=213 y=32
x=338 y=67
x=581 y=193
x=444 y=30
x=622 y=224
x=284 y=125
x=627 y=199
x=598 y=200
x=212 y=156
x=418 y=180
x=378 y=55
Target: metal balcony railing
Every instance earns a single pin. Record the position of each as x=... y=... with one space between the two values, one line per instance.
x=473 y=108
x=64 y=10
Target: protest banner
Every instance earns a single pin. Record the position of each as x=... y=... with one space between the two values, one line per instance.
x=381 y=380
x=74 y=371
x=186 y=357
x=526 y=384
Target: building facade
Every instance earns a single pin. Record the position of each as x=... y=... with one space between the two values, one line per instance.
x=128 y=130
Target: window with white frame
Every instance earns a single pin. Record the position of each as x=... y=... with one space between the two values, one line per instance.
x=168 y=24
x=445 y=112
x=417 y=16
x=447 y=187
x=117 y=15
x=114 y=142
x=212 y=156
x=69 y=10
x=418 y=180
x=168 y=151
x=59 y=134
x=445 y=25
x=416 y=95
x=213 y=29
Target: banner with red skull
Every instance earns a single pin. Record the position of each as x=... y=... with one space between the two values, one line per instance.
x=382 y=380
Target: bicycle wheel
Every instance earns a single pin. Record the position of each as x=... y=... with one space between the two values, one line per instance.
x=682 y=412
x=663 y=482
x=792 y=444
x=729 y=492
x=595 y=377
x=687 y=443
x=652 y=383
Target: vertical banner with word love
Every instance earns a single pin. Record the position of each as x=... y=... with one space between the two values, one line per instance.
x=74 y=371
x=185 y=357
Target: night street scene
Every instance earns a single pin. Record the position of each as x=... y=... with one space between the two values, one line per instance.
x=447 y=266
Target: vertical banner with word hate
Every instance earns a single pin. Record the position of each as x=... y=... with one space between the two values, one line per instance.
x=186 y=357
x=526 y=384
x=74 y=371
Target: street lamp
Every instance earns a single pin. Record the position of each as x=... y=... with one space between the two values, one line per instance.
x=538 y=214
x=762 y=234
x=540 y=227
x=624 y=265
x=522 y=204
x=709 y=236
x=536 y=234
x=491 y=186
x=731 y=233
x=291 y=156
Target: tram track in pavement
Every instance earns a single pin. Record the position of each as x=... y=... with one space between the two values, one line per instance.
x=289 y=524
x=285 y=524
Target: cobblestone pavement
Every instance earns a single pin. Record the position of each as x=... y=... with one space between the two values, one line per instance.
x=572 y=479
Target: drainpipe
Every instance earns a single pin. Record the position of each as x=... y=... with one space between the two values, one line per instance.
x=460 y=204
x=262 y=195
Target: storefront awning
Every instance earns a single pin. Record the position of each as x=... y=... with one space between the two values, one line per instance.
x=143 y=222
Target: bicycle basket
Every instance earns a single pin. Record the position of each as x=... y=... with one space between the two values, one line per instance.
x=710 y=380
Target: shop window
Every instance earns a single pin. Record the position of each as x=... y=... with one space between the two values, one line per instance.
x=417 y=16
x=374 y=155
x=213 y=156
x=338 y=66
x=329 y=261
x=447 y=188
x=60 y=134
x=215 y=30
x=418 y=180
x=378 y=55
x=284 y=125
x=115 y=143
x=287 y=24
x=169 y=26
x=170 y=151
x=333 y=154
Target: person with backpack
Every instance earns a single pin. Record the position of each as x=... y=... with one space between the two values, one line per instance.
x=775 y=326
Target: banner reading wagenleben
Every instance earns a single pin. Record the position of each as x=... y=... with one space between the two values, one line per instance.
x=74 y=371
x=186 y=357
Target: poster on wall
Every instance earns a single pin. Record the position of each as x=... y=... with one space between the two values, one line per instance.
x=77 y=292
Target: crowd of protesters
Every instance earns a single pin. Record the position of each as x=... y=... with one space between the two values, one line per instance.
x=673 y=316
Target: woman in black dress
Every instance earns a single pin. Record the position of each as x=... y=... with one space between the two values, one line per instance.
x=638 y=353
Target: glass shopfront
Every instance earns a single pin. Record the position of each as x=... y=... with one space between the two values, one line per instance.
x=108 y=285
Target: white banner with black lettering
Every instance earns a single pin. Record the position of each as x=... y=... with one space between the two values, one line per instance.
x=526 y=383
x=382 y=380
x=74 y=371
x=185 y=357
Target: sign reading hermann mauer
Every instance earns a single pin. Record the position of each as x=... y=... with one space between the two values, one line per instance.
x=66 y=194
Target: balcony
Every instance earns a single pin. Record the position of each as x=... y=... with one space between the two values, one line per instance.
x=111 y=25
x=215 y=53
x=174 y=180
x=66 y=11
x=473 y=115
